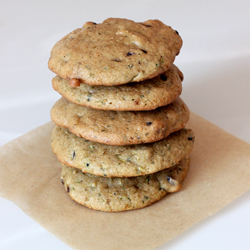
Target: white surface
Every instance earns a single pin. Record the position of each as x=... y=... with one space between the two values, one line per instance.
x=215 y=60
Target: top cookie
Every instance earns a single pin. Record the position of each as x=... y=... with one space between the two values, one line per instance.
x=115 y=52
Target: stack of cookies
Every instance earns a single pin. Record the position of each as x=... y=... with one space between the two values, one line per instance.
x=120 y=126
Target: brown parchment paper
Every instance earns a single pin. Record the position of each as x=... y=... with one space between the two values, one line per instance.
x=30 y=177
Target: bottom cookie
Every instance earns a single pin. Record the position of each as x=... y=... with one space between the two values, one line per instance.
x=122 y=193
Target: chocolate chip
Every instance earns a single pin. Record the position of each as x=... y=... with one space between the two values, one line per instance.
x=87 y=164
x=147 y=25
x=177 y=32
x=62 y=181
x=163 y=77
x=74 y=154
x=116 y=60
x=130 y=53
x=144 y=24
x=170 y=180
x=190 y=138
x=68 y=189
x=149 y=123
x=144 y=51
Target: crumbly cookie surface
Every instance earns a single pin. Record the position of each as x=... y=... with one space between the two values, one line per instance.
x=121 y=194
x=120 y=127
x=120 y=161
x=115 y=52
x=146 y=95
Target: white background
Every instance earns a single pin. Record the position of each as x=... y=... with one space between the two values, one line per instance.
x=215 y=60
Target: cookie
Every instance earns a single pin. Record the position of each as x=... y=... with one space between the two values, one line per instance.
x=120 y=127
x=117 y=51
x=120 y=161
x=146 y=95
x=121 y=194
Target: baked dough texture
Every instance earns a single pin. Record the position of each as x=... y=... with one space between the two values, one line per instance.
x=117 y=127
x=122 y=194
x=120 y=161
x=117 y=51
x=147 y=95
